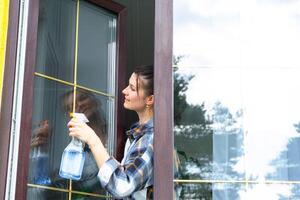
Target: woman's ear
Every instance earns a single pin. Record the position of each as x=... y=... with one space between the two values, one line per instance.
x=150 y=100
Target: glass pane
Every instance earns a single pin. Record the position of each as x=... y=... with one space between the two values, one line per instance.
x=208 y=191
x=208 y=124
x=270 y=32
x=56 y=39
x=207 y=32
x=96 y=109
x=272 y=191
x=49 y=133
x=87 y=197
x=43 y=194
x=272 y=123
x=96 y=43
x=52 y=104
x=235 y=87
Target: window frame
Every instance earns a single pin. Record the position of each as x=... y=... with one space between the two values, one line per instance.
x=27 y=103
x=163 y=107
x=7 y=92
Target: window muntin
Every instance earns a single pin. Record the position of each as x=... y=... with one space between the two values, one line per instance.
x=53 y=99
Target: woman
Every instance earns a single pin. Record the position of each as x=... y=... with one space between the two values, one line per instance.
x=133 y=177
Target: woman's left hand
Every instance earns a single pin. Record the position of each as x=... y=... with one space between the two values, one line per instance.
x=81 y=131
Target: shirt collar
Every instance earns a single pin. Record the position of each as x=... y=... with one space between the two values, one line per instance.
x=137 y=129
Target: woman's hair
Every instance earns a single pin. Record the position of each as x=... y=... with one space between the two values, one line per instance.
x=144 y=78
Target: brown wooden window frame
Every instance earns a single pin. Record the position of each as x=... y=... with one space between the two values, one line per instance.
x=163 y=107
x=7 y=92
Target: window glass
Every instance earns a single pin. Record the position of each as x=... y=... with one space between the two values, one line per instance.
x=272 y=191
x=56 y=39
x=52 y=105
x=60 y=83
x=236 y=110
x=96 y=46
x=49 y=132
x=209 y=134
x=204 y=190
x=37 y=193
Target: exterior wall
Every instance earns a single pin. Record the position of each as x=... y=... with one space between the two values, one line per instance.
x=3 y=31
x=139 y=39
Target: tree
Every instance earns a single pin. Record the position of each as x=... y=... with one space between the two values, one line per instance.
x=191 y=131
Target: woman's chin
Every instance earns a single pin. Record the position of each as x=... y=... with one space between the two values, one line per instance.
x=126 y=106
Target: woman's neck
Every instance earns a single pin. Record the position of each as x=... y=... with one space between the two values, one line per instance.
x=145 y=116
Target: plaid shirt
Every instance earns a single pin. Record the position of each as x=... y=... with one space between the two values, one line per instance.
x=133 y=177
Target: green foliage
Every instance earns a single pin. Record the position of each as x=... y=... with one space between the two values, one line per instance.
x=180 y=87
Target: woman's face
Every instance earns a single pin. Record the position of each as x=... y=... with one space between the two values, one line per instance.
x=84 y=104
x=134 y=100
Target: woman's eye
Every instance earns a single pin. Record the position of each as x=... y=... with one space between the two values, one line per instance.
x=132 y=88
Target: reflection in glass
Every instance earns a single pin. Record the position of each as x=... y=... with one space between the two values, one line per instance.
x=236 y=105
x=56 y=39
x=207 y=191
x=272 y=191
x=87 y=197
x=52 y=105
x=96 y=47
x=39 y=194
x=208 y=134
x=272 y=121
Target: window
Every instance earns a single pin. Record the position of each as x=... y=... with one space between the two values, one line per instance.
x=47 y=86
x=72 y=47
x=236 y=130
x=76 y=64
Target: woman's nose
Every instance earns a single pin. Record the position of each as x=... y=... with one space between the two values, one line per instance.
x=124 y=90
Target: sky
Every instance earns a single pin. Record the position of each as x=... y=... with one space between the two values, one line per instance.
x=245 y=53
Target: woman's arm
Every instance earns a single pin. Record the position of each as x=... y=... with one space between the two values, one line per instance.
x=136 y=173
x=119 y=180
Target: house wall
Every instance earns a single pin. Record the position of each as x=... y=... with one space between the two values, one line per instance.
x=139 y=38
x=3 y=31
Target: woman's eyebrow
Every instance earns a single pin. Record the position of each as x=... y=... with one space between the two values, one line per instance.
x=131 y=85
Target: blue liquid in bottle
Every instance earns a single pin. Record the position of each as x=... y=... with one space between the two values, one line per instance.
x=41 y=163
x=73 y=157
x=72 y=160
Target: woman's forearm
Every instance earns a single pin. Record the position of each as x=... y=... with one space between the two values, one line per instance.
x=99 y=151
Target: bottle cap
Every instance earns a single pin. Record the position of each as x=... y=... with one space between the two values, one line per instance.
x=79 y=116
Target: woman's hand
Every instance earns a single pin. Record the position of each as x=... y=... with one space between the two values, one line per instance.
x=41 y=134
x=81 y=131
x=84 y=133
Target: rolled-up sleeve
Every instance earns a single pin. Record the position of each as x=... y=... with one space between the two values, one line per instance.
x=122 y=180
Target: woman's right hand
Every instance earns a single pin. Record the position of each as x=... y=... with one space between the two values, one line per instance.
x=82 y=131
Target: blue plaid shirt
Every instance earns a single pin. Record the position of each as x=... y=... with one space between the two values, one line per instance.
x=133 y=177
